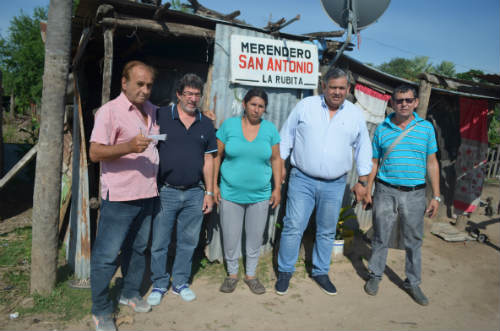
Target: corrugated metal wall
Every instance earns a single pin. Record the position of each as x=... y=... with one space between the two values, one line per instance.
x=229 y=97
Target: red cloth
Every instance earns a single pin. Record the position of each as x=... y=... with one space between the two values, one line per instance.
x=473 y=150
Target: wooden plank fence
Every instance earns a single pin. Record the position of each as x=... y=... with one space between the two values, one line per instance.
x=493 y=165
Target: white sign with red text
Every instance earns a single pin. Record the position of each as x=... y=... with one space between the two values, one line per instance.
x=273 y=63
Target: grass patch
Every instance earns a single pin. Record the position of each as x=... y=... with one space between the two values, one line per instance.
x=15 y=247
x=15 y=258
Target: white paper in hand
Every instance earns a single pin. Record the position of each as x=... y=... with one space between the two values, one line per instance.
x=158 y=136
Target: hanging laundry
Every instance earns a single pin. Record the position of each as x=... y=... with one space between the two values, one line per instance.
x=372 y=103
x=472 y=154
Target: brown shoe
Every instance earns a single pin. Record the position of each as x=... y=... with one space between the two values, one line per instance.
x=229 y=285
x=255 y=286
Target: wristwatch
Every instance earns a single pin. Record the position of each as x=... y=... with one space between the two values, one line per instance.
x=364 y=183
x=438 y=199
x=209 y=193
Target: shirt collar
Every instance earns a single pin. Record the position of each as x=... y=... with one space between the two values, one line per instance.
x=175 y=113
x=148 y=106
x=325 y=106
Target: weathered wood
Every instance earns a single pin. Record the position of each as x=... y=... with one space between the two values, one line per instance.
x=176 y=29
x=12 y=104
x=19 y=166
x=199 y=9
x=87 y=32
x=207 y=88
x=108 y=65
x=329 y=34
x=231 y=16
x=296 y=18
x=160 y=12
x=424 y=94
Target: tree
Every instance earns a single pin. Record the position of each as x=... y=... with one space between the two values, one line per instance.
x=406 y=68
x=46 y=199
x=22 y=58
x=472 y=75
x=445 y=68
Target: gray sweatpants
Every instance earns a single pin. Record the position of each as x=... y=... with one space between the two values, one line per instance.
x=232 y=217
x=388 y=203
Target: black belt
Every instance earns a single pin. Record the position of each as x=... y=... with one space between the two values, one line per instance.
x=182 y=187
x=401 y=187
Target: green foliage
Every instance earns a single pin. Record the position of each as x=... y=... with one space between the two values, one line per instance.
x=494 y=128
x=472 y=75
x=180 y=6
x=445 y=68
x=346 y=213
x=407 y=68
x=411 y=68
x=22 y=58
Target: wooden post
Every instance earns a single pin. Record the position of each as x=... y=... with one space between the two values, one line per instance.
x=108 y=64
x=497 y=161
x=424 y=94
x=12 y=105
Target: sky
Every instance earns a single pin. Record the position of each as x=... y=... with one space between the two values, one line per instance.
x=464 y=32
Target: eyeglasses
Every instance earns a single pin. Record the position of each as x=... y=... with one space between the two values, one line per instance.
x=191 y=94
x=407 y=100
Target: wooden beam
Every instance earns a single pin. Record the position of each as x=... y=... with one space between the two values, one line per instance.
x=424 y=94
x=161 y=11
x=176 y=29
x=329 y=34
x=108 y=65
x=19 y=165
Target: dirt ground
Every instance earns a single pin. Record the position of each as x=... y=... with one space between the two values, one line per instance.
x=462 y=281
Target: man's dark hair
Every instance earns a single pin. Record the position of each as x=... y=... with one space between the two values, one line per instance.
x=189 y=80
x=335 y=73
x=255 y=92
x=403 y=89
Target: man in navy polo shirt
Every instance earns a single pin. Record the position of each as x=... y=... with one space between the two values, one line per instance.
x=186 y=162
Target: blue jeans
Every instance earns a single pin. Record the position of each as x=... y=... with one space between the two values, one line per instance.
x=125 y=226
x=388 y=204
x=181 y=208
x=304 y=193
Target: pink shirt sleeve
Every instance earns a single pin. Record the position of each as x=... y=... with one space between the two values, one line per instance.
x=105 y=130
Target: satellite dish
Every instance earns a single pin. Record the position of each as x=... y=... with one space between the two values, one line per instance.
x=364 y=12
x=353 y=15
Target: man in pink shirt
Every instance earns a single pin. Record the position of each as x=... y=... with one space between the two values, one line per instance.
x=129 y=166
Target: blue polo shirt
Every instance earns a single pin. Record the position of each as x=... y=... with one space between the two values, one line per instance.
x=407 y=163
x=182 y=154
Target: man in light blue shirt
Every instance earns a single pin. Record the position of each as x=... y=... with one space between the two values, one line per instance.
x=320 y=136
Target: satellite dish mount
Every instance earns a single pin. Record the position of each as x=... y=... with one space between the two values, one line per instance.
x=353 y=16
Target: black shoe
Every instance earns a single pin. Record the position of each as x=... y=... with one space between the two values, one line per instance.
x=417 y=295
x=325 y=284
x=371 y=286
x=283 y=282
